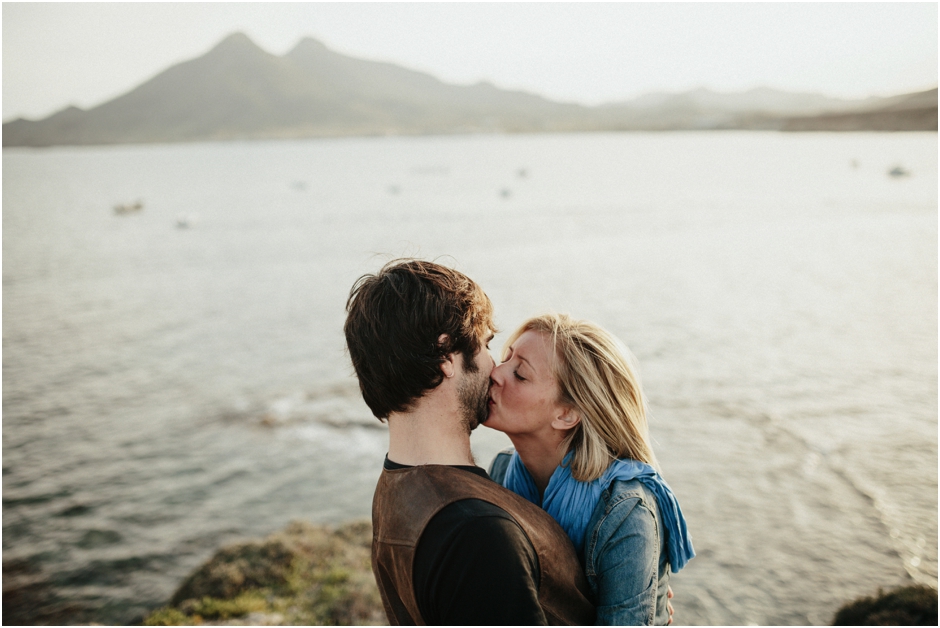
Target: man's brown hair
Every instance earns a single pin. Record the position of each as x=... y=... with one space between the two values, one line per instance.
x=394 y=320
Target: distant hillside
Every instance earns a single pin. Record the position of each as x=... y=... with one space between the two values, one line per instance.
x=239 y=91
x=759 y=99
x=768 y=109
x=911 y=112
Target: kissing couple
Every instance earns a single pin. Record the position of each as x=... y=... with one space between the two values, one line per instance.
x=573 y=525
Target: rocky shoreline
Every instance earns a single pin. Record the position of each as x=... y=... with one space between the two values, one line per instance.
x=310 y=574
x=303 y=575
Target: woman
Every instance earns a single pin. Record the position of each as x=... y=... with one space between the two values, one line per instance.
x=572 y=405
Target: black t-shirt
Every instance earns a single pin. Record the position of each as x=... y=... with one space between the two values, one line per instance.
x=475 y=566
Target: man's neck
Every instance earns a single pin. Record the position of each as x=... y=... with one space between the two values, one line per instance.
x=430 y=434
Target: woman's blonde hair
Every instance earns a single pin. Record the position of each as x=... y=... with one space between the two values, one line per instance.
x=596 y=375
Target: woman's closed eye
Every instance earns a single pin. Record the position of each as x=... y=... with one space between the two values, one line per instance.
x=519 y=377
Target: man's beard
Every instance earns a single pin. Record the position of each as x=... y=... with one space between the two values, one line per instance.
x=474 y=396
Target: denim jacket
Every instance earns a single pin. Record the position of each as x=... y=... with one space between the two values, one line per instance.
x=625 y=559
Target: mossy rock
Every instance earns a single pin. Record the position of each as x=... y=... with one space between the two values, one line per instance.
x=907 y=606
x=302 y=575
x=253 y=565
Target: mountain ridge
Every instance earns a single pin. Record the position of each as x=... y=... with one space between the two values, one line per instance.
x=237 y=90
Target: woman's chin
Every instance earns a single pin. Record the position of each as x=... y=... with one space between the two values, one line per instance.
x=492 y=423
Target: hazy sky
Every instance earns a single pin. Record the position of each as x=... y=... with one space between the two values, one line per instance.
x=84 y=54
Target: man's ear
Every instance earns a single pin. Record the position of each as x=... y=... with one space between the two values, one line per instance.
x=448 y=367
x=568 y=418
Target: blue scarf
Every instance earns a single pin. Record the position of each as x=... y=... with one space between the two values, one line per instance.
x=571 y=503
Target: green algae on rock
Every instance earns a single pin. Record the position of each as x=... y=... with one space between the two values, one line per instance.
x=302 y=575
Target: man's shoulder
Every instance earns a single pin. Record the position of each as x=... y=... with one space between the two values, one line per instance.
x=443 y=485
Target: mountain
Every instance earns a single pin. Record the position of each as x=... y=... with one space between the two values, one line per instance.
x=909 y=112
x=239 y=91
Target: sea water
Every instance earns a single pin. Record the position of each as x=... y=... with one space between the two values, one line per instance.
x=174 y=379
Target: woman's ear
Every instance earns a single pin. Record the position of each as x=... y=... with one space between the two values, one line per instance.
x=568 y=418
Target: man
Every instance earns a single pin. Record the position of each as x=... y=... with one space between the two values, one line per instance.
x=450 y=546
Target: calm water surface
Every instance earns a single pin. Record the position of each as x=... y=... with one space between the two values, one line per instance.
x=167 y=390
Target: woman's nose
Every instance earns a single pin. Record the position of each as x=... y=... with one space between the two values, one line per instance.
x=497 y=374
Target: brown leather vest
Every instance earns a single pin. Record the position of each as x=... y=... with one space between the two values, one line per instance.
x=406 y=500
